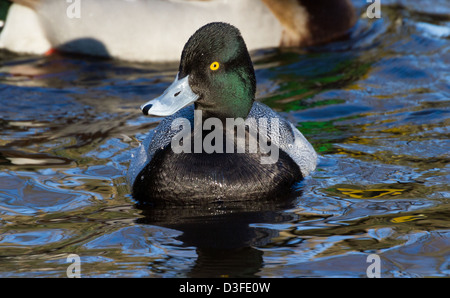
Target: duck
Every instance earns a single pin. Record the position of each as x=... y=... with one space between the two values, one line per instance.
x=200 y=153
x=155 y=30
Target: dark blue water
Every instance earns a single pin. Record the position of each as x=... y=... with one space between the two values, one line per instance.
x=375 y=107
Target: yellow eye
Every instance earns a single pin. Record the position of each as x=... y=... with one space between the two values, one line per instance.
x=214 y=66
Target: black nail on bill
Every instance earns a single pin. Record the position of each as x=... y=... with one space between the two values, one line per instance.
x=146 y=108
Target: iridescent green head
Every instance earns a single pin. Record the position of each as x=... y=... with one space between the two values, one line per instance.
x=216 y=73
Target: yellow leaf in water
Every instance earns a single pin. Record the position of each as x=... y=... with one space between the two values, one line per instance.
x=369 y=193
x=407 y=218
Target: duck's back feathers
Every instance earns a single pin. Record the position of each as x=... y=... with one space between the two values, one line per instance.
x=307 y=23
x=290 y=139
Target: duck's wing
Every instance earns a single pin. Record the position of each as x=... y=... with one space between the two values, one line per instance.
x=288 y=138
x=158 y=138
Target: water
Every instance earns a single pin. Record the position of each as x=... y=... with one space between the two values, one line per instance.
x=375 y=107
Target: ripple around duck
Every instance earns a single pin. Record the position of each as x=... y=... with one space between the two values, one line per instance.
x=374 y=106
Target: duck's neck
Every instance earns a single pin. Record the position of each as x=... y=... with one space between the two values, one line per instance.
x=231 y=96
x=225 y=113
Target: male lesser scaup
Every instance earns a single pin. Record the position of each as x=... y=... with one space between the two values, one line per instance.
x=155 y=30
x=216 y=74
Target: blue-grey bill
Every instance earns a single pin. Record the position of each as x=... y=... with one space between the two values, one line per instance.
x=177 y=96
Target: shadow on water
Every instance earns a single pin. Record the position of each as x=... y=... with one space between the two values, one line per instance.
x=86 y=46
x=224 y=235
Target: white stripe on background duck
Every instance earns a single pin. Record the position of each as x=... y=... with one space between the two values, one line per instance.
x=155 y=30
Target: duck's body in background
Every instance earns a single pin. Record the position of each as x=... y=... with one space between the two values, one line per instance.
x=156 y=30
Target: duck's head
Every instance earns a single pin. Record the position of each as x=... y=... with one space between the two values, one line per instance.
x=215 y=73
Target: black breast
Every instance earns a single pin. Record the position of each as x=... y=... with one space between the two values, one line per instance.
x=198 y=178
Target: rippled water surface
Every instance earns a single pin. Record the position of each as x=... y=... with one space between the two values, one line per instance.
x=376 y=108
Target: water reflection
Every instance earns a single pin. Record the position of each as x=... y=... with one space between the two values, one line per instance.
x=223 y=235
